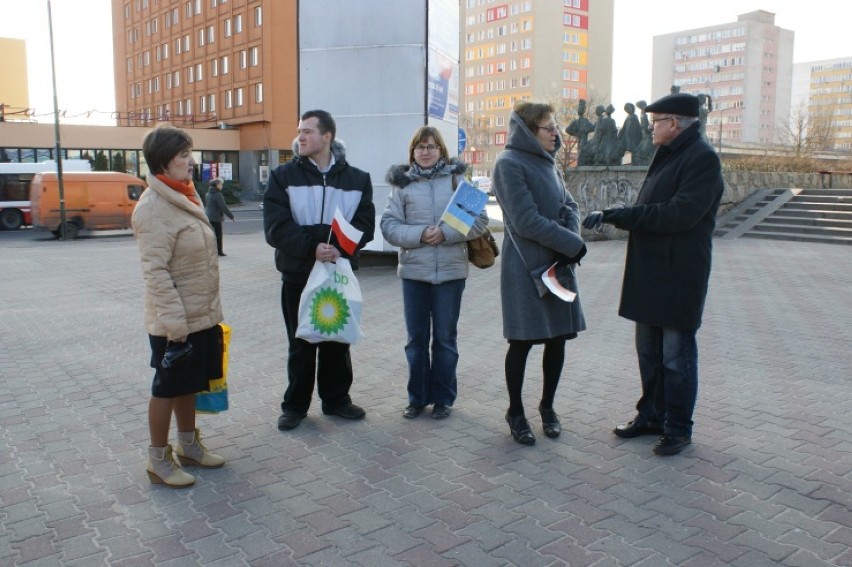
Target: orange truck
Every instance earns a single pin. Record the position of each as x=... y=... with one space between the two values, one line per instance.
x=98 y=200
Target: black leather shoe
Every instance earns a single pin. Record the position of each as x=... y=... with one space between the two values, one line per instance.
x=520 y=429
x=671 y=444
x=550 y=423
x=412 y=411
x=638 y=427
x=289 y=419
x=346 y=411
x=440 y=411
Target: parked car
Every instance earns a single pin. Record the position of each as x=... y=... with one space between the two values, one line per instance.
x=483 y=184
x=99 y=200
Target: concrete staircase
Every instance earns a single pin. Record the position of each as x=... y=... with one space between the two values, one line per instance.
x=805 y=215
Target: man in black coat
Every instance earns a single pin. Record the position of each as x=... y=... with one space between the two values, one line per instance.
x=667 y=269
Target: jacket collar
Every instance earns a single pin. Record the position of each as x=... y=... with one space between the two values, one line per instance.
x=176 y=198
x=401 y=175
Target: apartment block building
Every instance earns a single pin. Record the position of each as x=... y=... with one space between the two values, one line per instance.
x=744 y=66
x=543 y=50
x=828 y=101
x=209 y=64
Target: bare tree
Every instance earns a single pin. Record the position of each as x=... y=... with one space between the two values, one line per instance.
x=808 y=130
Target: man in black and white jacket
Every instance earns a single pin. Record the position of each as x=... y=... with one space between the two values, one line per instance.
x=298 y=208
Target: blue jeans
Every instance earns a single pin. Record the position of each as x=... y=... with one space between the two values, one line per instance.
x=668 y=365
x=432 y=311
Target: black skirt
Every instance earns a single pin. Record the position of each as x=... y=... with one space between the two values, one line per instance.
x=192 y=376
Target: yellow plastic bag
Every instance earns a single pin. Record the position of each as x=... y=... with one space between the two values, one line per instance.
x=215 y=399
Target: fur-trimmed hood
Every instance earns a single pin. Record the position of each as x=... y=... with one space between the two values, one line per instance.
x=401 y=175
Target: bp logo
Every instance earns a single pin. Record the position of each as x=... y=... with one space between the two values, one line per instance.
x=329 y=311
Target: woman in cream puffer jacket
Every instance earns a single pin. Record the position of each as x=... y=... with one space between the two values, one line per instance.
x=180 y=261
x=180 y=266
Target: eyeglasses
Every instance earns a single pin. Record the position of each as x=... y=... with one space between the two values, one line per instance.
x=425 y=148
x=655 y=120
x=552 y=128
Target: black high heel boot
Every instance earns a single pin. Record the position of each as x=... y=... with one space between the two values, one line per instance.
x=520 y=429
x=550 y=422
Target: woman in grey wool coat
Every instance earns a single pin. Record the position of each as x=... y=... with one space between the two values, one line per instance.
x=542 y=223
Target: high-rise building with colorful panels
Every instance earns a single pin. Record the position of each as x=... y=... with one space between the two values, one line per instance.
x=542 y=50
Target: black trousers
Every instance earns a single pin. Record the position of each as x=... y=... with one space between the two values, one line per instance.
x=217 y=228
x=330 y=362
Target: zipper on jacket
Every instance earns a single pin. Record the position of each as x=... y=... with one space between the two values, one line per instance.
x=322 y=208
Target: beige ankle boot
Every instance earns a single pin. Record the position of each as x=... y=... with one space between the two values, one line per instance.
x=164 y=469
x=192 y=452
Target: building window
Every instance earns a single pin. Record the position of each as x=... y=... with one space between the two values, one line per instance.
x=258 y=92
x=225 y=64
x=157 y=84
x=211 y=34
x=190 y=75
x=197 y=7
x=239 y=96
x=214 y=67
x=229 y=103
x=130 y=64
x=243 y=59
x=238 y=23
x=199 y=72
x=201 y=37
x=258 y=16
x=202 y=103
x=186 y=42
x=176 y=81
x=228 y=27
x=254 y=56
x=212 y=105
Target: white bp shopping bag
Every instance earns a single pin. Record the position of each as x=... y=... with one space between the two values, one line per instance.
x=330 y=306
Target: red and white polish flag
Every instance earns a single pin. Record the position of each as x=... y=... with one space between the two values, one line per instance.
x=347 y=235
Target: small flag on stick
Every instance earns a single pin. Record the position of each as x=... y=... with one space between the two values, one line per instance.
x=347 y=235
x=467 y=204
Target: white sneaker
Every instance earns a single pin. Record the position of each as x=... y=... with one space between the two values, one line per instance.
x=192 y=452
x=164 y=469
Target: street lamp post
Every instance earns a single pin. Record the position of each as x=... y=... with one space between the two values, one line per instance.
x=63 y=222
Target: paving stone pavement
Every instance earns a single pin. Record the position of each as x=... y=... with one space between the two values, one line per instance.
x=767 y=481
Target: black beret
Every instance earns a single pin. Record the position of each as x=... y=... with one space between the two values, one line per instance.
x=681 y=104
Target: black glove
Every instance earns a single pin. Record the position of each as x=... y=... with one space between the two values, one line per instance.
x=563 y=260
x=593 y=220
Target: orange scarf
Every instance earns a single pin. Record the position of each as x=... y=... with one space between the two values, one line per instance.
x=185 y=188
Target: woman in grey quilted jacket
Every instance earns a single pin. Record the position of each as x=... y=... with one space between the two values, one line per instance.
x=433 y=266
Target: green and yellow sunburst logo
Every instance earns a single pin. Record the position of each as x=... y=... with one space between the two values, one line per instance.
x=329 y=311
